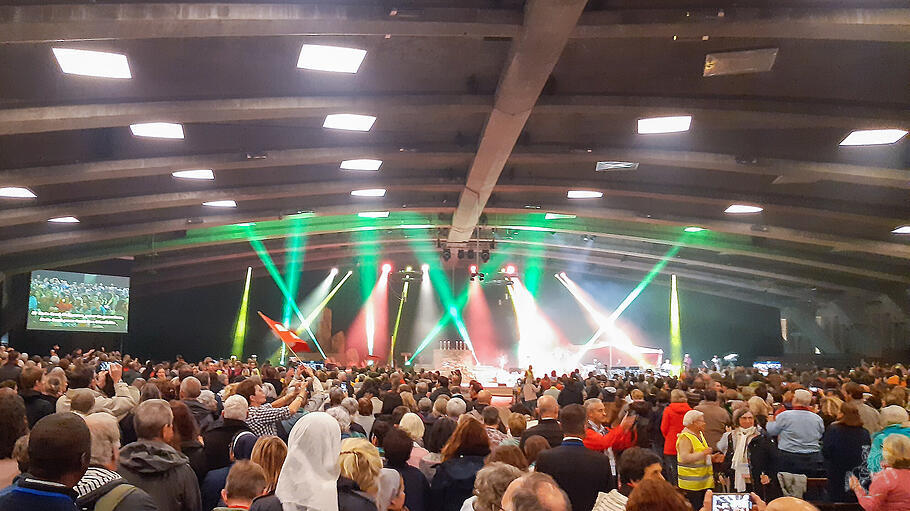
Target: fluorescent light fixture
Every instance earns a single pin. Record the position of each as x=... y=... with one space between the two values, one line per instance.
x=584 y=194
x=694 y=228
x=361 y=164
x=904 y=229
x=92 y=63
x=739 y=209
x=194 y=174
x=664 y=124
x=220 y=204
x=336 y=59
x=557 y=216
x=16 y=192
x=351 y=122
x=373 y=214
x=245 y=224
x=157 y=130
x=603 y=166
x=64 y=220
x=369 y=192
x=873 y=137
x=416 y=226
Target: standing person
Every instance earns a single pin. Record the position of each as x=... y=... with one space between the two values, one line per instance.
x=894 y=418
x=694 y=458
x=671 y=424
x=799 y=432
x=59 y=450
x=358 y=484
x=582 y=473
x=31 y=388
x=489 y=487
x=462 y=457
x=843 y=446
x=190 y=389
x=657 y=495
x=890 y=489
x=125 y=398
x=529 y=394
x=101 y=484
x=186 y=439
x=397 y=446
x=598 y=436
x=412 y=425
x=871 y=417
x=263 y=418
x=156 y=467
x=751 y=456
x=269 y=452
x=309 y=476
x=717 y=419
x=13 y=425
x=548 y=427
x=244 y=482
x=11 y=370
x=635 y=465
x=217 y=440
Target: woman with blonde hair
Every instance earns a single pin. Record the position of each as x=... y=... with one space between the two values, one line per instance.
x=407 y=399
x=412 y=424
x=830 y=409
x=269 y=452
x=890 y=489
x=358 y=483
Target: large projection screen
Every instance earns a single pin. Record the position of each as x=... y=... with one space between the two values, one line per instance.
x=78 y=302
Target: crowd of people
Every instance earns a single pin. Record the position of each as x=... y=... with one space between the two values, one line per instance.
x=56 y=294
x=107 y=432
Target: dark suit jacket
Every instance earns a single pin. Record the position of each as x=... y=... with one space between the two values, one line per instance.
x=579 y=471
x=547 y=428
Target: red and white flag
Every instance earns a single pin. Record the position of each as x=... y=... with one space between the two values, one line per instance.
x=294 y=343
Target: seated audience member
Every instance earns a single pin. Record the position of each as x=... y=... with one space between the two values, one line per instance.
x=245 y=482
x=635 y=465
x=894 y=419
x=390 y=496
x=269 y=452
x=462 y=457
x=656 y=494
x=490 y=485
x=799 y=432
x=533 y=447
x=517 y=425
x=535 y=492
x=890 y=488
x=310 y=475
x=491 y=422
x=580 y=472
x=13 y=425
x=548 y=427
x=211 y=486
x=101 y=483
x=398 y=446
x=508 y=454
x=31 y=388
x=412 y=425
x=358 y=484
x=125 y=398
x=217 y=440
x=59 y=451
x=156 y=467
x=364 y=415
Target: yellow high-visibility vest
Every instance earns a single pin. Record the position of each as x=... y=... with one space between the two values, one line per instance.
x=699 y=475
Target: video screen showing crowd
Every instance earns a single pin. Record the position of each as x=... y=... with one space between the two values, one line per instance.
x=60 y=300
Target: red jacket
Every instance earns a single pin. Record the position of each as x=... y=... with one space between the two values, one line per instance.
x=617 y=438
x=672 y=424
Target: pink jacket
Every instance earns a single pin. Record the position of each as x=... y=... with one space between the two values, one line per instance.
x=890 y=491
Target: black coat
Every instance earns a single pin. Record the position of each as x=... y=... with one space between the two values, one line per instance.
x=547 y=428
x=350 y=498
x=217 y=441
x=842 y=447
x=579 y=471
x=204 y=417
x=762 y=460
x=416 y=488
x=36 y=406
x=571 y=394
x=453 y=482
x=266 y=503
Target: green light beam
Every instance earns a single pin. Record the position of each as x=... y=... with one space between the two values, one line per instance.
x=325 y=301
x=404 y=298
x=240 y=326
x=676 y=353
x=294 y=244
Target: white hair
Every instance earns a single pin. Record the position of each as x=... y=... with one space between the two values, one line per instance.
x=455 y=407
x=236 y=407
x=207 y=398
x=894 y=414
x=342 y=416
x=350 y=404
x=691 y=416
x=802 y=397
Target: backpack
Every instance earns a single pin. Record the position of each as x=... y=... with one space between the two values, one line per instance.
x=113 y=498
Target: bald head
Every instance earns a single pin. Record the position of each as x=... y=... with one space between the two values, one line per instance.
x=484 y=397
x=547 y=407
x=190 y=388
x=790 y=504
x=536 y=491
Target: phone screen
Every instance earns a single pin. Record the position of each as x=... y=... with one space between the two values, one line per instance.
x=104 y=366
x=731 y=502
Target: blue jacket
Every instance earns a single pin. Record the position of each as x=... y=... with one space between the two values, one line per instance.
x=875 y=453
x=29 y=493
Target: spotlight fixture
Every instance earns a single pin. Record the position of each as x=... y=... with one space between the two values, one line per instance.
x=510 y=269
x=202 y=174
x=471 y=253
x=334 y=271
x=425 y=268
x=220 y=204
x=460 y=253
x=386 y=268
x=694 y=228
x=484 y=255
x=446 y=254
x=64 y=220
x=373 y=214
x=473 y=269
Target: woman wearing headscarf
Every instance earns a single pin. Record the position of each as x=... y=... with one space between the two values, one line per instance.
x=390 y=496
x=309 y=476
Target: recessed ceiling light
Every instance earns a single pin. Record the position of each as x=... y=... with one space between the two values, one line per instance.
x=694 y=228
x=157 y=130
x=904 y=229
x=664 y=124
x=743 y=209
x=194 y=174
x=330 y=58
x=361 y=164
x=220 y=204
x=584 y=194
x=64 y=220
x=603 y=166
x=873 y=137
x=370 y=192
x=373 y=214
x=16 y=192
x=557 y=216
x=351 y=122
x=92 y=63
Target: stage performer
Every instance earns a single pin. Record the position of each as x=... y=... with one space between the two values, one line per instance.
x=599 y=436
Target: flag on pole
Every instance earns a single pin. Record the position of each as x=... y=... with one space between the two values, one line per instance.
x=294 y=343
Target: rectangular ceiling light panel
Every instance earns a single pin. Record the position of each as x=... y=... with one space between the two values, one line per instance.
x=157 y=130
x=606 y=166
x=16 y=192
x=584 y=194
x=674 y=124
x=64 y=220
x=373 y=214
x=741 y=209
x=92 y=63
x=330 y=58
x=740 y=62
x=904 y=229
x=361 y=164
x=873 y=137
x=220 y=204
x=350 y=122
x=204 y=174
x=557 y=216
x=370 y=192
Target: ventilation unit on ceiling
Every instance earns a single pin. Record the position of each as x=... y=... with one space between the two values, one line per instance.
x=608 y=166
x=740 y=62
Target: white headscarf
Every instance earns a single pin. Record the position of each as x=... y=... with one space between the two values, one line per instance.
x=309 y=476
x=389 y=484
